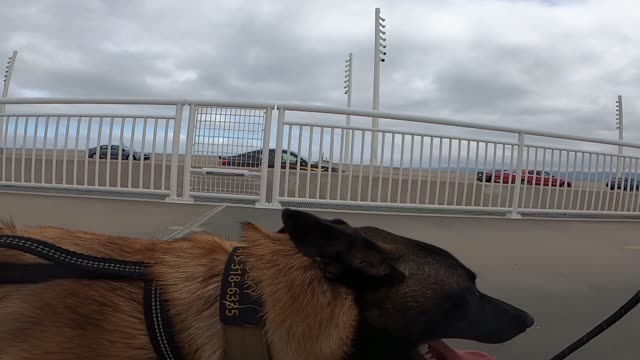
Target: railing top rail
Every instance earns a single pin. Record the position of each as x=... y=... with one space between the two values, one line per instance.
x=445 y=121
x=94 y=101
x=314 y=108
x=234 y=103
x=135 y=101
x=86 y=115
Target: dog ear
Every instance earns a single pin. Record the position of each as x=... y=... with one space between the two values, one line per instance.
x=333 y=221
x=343 y=253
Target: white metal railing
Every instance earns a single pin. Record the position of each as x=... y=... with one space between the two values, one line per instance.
x=63 y=163
x=414 y=169
x=88 y=151
x=55 y=150
x=315 y=160
x=423 y=170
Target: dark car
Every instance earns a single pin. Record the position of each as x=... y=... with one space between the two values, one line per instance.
x=625 y=184
x=117 y=151
x=483 y=176
x=253 y=159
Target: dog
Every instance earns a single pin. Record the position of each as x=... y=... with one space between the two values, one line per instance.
x=329 y=291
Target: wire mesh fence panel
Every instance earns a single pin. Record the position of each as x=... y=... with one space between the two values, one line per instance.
x=225 y=140
x=224 y=184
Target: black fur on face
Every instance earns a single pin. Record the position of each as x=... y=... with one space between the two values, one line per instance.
x=408 y=292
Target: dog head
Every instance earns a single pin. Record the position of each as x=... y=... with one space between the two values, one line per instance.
x=409 y=293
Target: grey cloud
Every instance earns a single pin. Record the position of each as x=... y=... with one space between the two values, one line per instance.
x=554 y=66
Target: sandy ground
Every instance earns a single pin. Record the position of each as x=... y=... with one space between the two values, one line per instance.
x=370 y=185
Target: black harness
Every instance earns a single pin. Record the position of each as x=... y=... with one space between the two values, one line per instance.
x=240 y=306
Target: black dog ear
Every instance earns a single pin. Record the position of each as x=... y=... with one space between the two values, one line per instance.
x=341 y=251
x=333 y=221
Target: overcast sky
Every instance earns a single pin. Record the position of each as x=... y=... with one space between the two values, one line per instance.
x=550 y=64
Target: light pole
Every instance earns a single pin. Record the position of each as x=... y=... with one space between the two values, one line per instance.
x=620 y=127
x=378 y=53
x=5 y=90
x=348 y=77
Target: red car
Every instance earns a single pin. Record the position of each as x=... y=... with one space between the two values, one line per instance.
x=498 y=176
x=543 y=178
x=504 y=177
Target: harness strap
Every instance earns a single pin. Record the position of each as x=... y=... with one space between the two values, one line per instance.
x=67 y=264
x=240 y=311
x=61 y=256
x=14 y=273
x=158 y=325
x=245 y=343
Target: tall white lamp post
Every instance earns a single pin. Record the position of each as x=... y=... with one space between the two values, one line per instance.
x=5 y=90
x=620 y=127
x=348 y=77
x=378 y=53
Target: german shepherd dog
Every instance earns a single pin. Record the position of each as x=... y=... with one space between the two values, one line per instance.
x=330 y=291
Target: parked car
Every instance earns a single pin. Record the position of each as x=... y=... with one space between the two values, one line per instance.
x=483 y=176
x=253 y=159
x=117 y=151
x=625 y=184
x=543 y=178
x=498 y=176
x=504 y=177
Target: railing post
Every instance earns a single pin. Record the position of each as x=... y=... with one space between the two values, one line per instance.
x=278 y=160
x=186 y=178
x=173 y=177
x=515 y=201
x=264 y=165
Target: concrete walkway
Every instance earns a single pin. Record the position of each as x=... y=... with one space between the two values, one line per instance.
x=149 y=219
x=569 y=274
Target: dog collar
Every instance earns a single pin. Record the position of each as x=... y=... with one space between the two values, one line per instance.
x=241 y=311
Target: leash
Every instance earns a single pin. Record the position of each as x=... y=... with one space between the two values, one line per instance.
x=600 y=328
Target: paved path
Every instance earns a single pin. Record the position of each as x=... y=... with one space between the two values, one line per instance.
x=150 y=219
x=570 y=274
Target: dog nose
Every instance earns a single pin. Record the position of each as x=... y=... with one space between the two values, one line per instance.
x=529 y=320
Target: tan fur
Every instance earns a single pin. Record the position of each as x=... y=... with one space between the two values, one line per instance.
x=306 y=317
x=300 y=305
